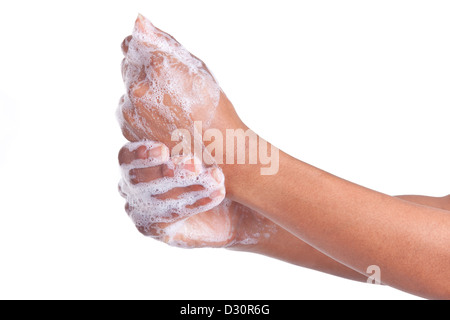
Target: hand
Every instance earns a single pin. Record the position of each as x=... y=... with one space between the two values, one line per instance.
x=167 y=89
x=190 y=213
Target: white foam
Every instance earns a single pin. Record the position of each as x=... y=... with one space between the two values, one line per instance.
x=226 y=225
x=146 y=209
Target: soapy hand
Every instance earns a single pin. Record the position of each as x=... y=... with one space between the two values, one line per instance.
x=177 y=199
x=181 y=202
x=167 y=88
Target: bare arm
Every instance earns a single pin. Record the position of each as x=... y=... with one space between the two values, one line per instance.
x=285 y=246
x=356 y=226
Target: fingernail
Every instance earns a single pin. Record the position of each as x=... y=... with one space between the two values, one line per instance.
x=144 y=19
x=143 y=24
x=159 y=152
x=155 y=152
x=142 y=152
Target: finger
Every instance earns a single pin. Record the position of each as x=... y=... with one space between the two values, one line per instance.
x=145 y=175
x=145 y=32
x=125 y=44
x=132 y=72
x=199 y=203
x=156 y=230
x=128 y=209
x=153 y=37
x=188 y=163
x=175 y=193
x=143 y=25
x=146 y=113
x=143 y=151
x=124 y=69
x=128 y=133
x=138 y=76
x=159 y=40
x=147 y=116
x=126 y=156
x=135 y=214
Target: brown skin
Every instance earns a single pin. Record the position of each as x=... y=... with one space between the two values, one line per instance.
x=282 y=244
x=332 y=225
x=354 y=225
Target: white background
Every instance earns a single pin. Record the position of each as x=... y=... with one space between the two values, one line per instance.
x=357 y=88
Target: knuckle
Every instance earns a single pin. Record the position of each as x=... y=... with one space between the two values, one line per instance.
x=122 y=154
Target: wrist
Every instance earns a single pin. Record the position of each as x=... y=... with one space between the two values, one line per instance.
x=252 y=231
x=238 y=159
x=253 y=171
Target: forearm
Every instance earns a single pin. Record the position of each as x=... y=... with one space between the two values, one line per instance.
x=354 y=225
x=269 y=239
x=283 y=245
